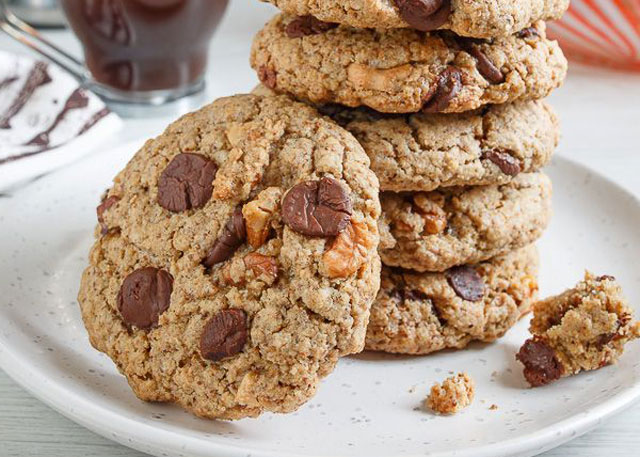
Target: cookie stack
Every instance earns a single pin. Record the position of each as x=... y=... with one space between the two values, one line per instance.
x=445 y=98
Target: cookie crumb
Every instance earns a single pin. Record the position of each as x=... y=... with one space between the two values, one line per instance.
x=454 y=394
x=493 y=407
x=584 y=328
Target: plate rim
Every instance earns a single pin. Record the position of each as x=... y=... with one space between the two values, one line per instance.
x=127 y=430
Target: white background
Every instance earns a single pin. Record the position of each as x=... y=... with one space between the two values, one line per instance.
x=600 y=113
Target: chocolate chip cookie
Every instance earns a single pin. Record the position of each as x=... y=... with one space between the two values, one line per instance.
x=404 y=70
x=419 y=313
x=433 y=231
x=428 y=151
x=584 y=328
x=478 y=18
x=236 y=258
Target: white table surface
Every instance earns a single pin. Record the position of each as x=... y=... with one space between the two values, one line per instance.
x=600 y=113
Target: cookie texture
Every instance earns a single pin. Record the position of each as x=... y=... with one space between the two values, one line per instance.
x=433 y=231
x=428 y=151
x=452 y=395
x=236 y=258
x=403 y=70
x=420 y=313
x=473 y=18
x=584 y=328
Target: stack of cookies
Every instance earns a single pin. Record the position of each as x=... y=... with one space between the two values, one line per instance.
x=445 y=98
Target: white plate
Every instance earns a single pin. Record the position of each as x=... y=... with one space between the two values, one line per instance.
x=371 y=404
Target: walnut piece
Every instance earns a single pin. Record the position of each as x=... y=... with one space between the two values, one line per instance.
x=263 y=266
x=382 y=79
x=454 y=394
x=259 y=213
x=348 y=252
x=435 y=218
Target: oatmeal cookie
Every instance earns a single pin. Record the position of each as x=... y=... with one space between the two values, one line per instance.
x=434 y=231
x=420 y=313
x=236 y=258
x=403 y=70
x=473 y=18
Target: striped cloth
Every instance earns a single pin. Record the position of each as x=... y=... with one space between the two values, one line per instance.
x=46 y=120
x=601 y=32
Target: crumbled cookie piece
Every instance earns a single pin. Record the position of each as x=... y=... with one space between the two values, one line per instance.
x=584 y=328
x=454 y=394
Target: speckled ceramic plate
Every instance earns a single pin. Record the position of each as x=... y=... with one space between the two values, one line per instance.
x=371 y=405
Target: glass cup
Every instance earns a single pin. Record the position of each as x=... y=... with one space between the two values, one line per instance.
x=136 y=51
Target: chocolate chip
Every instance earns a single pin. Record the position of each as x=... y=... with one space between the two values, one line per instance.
x=317 y=208
x=606 y=278
x=307 y=25
x=424 y=15
x=529 y=32
x=466 y=282
x=448 y=86
x=224 y=335
x=508 y=164
x=233 y=235
x=186 y=182
x=104 y=205
x=144 y=295
x=541 y=366
x=485 y=66
x=267 y=76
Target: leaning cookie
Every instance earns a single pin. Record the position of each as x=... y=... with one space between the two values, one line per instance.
x=403 y=70
x=433 y=231
x=584 y=328
x=236 y=258
x=419 y=313
x=478 y=18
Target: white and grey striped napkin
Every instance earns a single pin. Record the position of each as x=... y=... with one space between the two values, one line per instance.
x=46 y=119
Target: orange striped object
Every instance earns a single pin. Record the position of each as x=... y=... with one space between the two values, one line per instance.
x=601 y=32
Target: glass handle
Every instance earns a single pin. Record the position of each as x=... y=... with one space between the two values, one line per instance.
x=27 y=35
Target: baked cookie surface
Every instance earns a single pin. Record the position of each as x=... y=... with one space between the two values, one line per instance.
x=583 y=328
x=434 y=231
x=427 y=151
x=473 y=18
x=403 y=70
x=420 y=313
x=236 y=258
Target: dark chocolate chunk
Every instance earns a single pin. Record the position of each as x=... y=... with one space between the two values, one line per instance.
x=307 y=25
x=448 y=85
x=233 y=235
x=268 y=76
x=466 y=282
x=424 y=15
x=317 y=208
x=541 y=366
x=186 y=182
x=529 y=32
x=508 y=164
x=144 y=295
x=486 y=67
x=224 y=335
x=106 y=203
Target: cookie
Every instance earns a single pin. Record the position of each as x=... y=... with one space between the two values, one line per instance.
x=236 y=258
x=403 y=70
x=584 y=328
x=428 y=151
x=434 y=231
x=480 y=19
x=419 y=313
